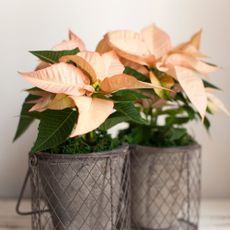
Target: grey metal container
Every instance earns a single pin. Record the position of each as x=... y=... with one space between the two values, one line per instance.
x=81 y=192
x=165 y=187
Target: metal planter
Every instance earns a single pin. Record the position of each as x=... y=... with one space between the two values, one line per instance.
x=165 y=187
x=81 y=192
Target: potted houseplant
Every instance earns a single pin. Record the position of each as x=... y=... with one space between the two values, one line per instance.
x=78 y=172
x=165 y=159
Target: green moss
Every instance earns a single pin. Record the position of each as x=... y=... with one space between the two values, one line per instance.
x=96 y=141
x=158 y=136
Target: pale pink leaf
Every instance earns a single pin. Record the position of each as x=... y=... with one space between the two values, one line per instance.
x=92 y=112
x=60 y=102
x=157 y=41
x=73 y=42
x=138 y=67
x=65 y=45
x=216 y=104
x=38 y=92
x=195 y=39
x=90 y=62
x=162 y=67
x=42 y=65
x=112 y=64
x=193 y=86
x=130 y=45
x=103 y=46
x=77 y=40
x=124 y=81
x=59 y=78
x=96 y=62
x=190 y=62
x=191 y=47
x=41 y=103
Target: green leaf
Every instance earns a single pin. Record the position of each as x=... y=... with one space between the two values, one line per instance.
x=172 y=112
x=177 y=134
x=113 y=120
x=130 y=112
x=127 y=95
x=53 y=56
x=177 y=120
x=207 y=123
x=181 y=97
x=207 y=84
x=190 y=111
x=139 y=76
x=26 y=117
x=54 y=128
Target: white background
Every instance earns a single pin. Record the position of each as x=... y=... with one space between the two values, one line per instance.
x=39 y=24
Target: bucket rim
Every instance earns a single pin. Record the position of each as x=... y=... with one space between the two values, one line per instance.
x=123 y=149
x=173 y=149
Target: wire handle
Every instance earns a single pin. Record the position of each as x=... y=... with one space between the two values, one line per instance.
x=23 y=213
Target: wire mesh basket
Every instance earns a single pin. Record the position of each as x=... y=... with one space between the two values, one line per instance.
x=165 y=187
x=81 y=192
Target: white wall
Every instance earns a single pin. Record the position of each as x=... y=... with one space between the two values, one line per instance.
x=38 y=24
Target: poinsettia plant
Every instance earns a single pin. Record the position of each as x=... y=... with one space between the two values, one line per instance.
x=77 y=96
x=133 y=77
x=149 y=56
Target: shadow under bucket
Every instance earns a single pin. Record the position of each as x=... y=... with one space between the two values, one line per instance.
x=82 y=191
x=165 y=187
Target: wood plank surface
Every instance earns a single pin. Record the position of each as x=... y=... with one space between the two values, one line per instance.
x=215 y=215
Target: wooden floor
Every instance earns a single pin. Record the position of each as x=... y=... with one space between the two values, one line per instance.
x=215 y=215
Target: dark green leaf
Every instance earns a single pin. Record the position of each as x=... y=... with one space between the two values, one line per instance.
x=207 y=84
x=51 y=56
x=136 y=74
x=176 y=120
x=181 y=97
x=54 y=128
x=26 y=117
x=190 y=111
x=127 y=95
x=130 y=112
x=173 y=112
x=207 y=123
x=113 y=120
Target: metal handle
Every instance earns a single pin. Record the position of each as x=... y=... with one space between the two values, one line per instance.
x=21 y=195
x=22 y=213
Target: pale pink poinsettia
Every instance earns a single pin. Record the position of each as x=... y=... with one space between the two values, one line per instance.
x=105 y=71
x=78 y=83
x=152 y=47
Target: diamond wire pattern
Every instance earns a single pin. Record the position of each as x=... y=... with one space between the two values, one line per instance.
x=81 y=192
x=165 y=188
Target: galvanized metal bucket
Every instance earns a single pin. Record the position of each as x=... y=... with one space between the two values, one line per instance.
x=165 y=187
x=81 y=192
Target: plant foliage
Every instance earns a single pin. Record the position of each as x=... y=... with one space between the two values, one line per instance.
x=156 y=89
